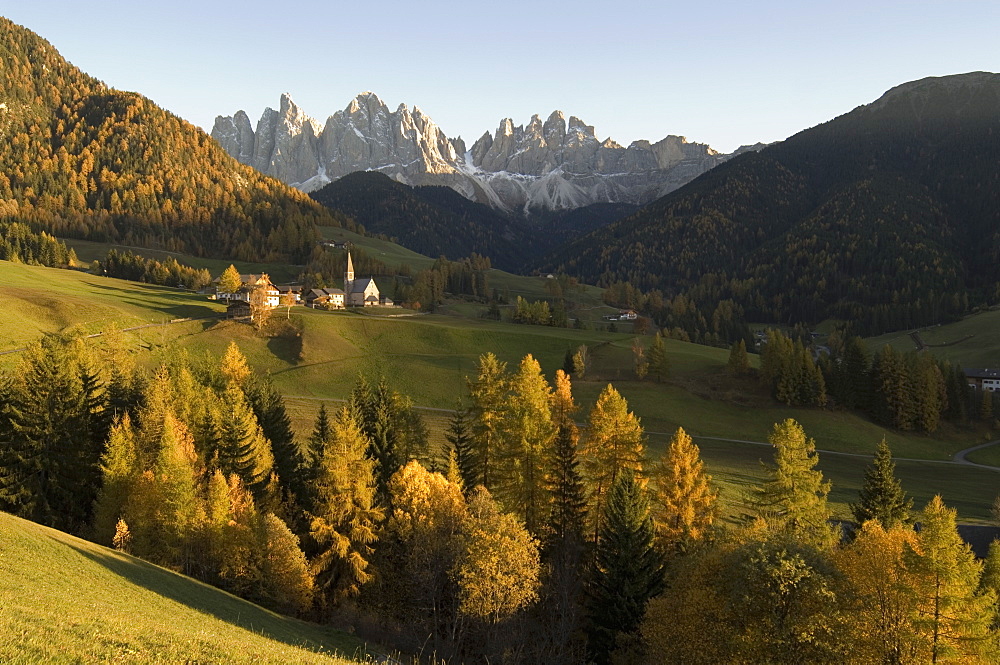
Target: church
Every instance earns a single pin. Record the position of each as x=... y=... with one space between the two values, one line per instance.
x=361 y=292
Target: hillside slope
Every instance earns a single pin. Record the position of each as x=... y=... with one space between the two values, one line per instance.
x=79 y=159
x=888 y=216
x=68 y=600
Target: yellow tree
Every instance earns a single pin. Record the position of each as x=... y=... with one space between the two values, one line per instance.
x=793 y=498
x=684 y=503
x=615 y=441
x=230 y=281
x=421 y=545
x=498 y=570
x=526 y=448
x=234 y=365
x=952 y=614
x=345 y=518
x=881 y=601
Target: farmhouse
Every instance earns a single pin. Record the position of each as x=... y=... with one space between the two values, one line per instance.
x=325 y=298
x=983 y=378
x=248 y=284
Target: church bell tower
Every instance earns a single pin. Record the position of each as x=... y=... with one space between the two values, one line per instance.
x=349 y=276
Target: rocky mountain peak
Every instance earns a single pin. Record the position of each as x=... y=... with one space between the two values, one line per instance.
x=552 y=163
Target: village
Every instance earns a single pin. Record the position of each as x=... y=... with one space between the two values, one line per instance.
x=247 y=293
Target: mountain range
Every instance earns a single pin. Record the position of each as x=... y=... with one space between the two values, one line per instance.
x=887 y=216
x=546 y=165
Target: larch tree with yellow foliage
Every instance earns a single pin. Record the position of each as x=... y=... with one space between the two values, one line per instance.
x=684 y=503
x=346 y=517
x=526 y=450
x=953 y=615
x=615 y=442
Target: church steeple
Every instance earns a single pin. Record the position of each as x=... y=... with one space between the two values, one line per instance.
x=349 y=274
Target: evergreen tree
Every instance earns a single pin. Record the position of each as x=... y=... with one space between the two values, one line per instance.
x=488 y=395
x=882 y=497
x=684 y=504
x=569 y=495
x=615 y=442
x=269 y=409
x=659 y=363
x=49 y=462
x=459 y=437
x=852 y=385
x=952 y=616
x=243 y=449
x=793 y=498
x=627 y=570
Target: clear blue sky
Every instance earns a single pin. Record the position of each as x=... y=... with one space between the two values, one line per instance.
x=722 y=73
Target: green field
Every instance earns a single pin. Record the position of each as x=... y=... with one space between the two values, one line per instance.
x=318 y=356
x=66 y=600
x=972 y=342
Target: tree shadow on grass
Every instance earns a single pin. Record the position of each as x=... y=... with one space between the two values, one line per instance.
x=224 y=606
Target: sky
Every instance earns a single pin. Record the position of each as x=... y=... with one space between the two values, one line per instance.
x=721 y=73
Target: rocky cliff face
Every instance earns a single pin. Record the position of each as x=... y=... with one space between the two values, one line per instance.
x=553 y=164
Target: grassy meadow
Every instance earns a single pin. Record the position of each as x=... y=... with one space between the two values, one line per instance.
x=971 y=342
x=318 y=355
x=66 y=600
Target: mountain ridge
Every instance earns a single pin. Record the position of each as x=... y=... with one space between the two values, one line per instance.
x=888 y=215
x=555 y=164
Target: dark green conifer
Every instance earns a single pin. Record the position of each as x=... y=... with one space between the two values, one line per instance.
x=882 y=497
x=627 y=570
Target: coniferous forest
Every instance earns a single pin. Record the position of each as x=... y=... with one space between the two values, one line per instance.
x=520 y=538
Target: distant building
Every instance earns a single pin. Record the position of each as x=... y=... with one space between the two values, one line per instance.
x=327 y=298
x=248 y=284
x=983 y=378
x=627 y=315
x=362 y=292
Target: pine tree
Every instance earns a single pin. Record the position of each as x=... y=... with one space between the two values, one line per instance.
x=793 y=498
x=49 y=465
x=243 y=449
x=739 y=363
x=953 y=616
x=563 y=405
x=525 y=451
x=488 y=395
x=345 y=515
x=684 y=504
x=853 y=388
x=882 y=497
x=459 y=437
x=659 y=363
x=569 y=495
x=615 y=442
x=627 y=571
x=269 y=409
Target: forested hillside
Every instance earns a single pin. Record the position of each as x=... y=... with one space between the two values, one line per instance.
x=434 y=221
x=80 y=159
x=886 y=216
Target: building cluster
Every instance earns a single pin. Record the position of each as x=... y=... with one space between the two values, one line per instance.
x=356 y=293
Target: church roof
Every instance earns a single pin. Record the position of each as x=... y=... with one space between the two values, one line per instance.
x=350 y=264
x=359 y=285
